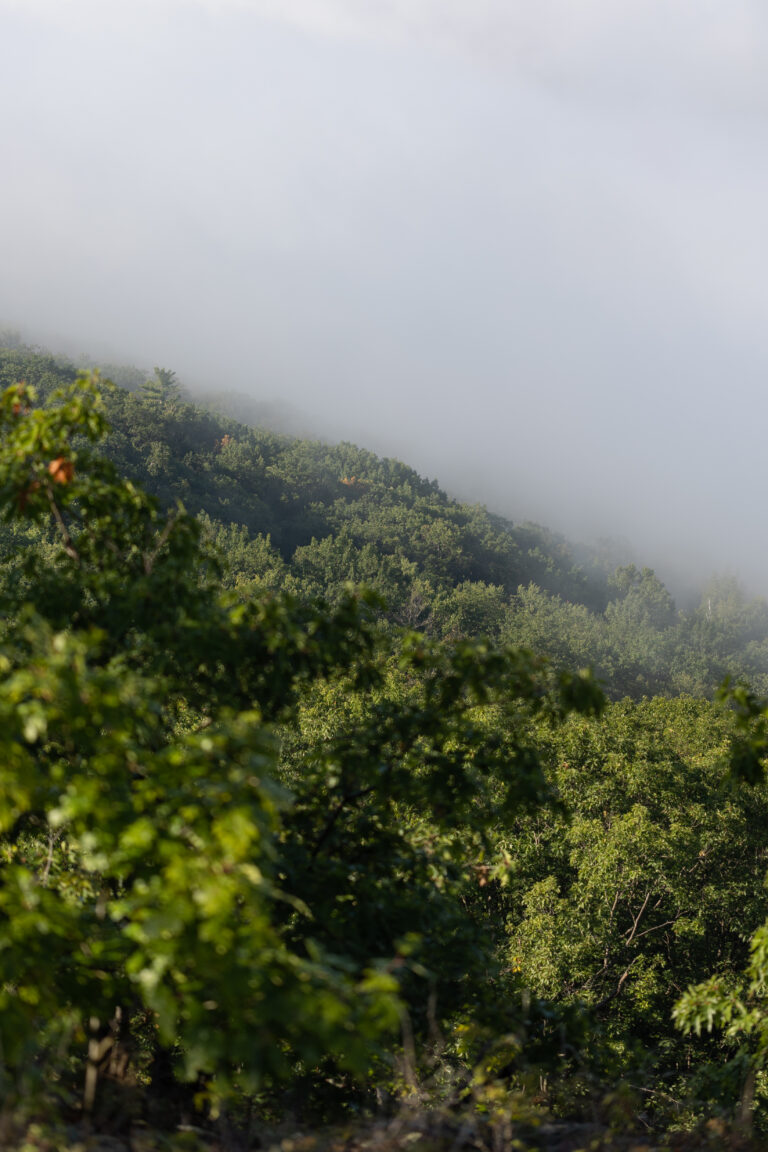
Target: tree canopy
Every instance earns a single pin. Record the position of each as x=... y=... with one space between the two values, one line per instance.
x=308 y=803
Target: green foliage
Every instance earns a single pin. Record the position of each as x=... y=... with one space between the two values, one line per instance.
x=732 y=1001
x=399 y=790
x=271 y=833
x=156 y=892
x=188 y=847
x=651 y=875
x=162 y=897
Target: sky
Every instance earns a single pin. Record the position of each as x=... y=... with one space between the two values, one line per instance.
x=520 y=245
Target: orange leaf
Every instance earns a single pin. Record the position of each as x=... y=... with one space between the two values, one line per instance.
x=61 y=470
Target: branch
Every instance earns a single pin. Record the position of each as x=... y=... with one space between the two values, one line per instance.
x=53 y=837
x=613 y=906
x=607 y=999
x=330 y=823
x=69 y=547
x=630 y=933
x=656 y=927
x=150 y=557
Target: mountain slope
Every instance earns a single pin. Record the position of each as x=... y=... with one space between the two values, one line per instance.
x=297 y=513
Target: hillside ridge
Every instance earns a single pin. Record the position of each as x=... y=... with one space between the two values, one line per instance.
x=310 y=517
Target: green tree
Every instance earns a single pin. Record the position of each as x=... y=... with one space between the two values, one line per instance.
x=164 y=389
x=649 y=877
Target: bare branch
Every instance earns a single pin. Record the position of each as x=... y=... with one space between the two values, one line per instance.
x=617 y=992
x=69 y=547
x=53 y=838
x=150 y=557
x=656 y=927
x=616 y=899
x=630 y=933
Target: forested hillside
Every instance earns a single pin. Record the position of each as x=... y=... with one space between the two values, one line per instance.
x=309 y=517
x=315 y=826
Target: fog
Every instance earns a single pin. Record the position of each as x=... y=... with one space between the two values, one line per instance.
x=521 y=246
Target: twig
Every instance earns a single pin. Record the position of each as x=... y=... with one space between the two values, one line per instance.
x=655 y=927
x=607 y=999
x=613 y=906
x=150 y=557
x=69 y=547
x=331 y=821
x=52 y=839
x=630 y=933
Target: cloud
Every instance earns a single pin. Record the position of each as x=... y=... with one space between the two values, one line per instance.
x=520 y=241
x=637 y=49
x=638 y=46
